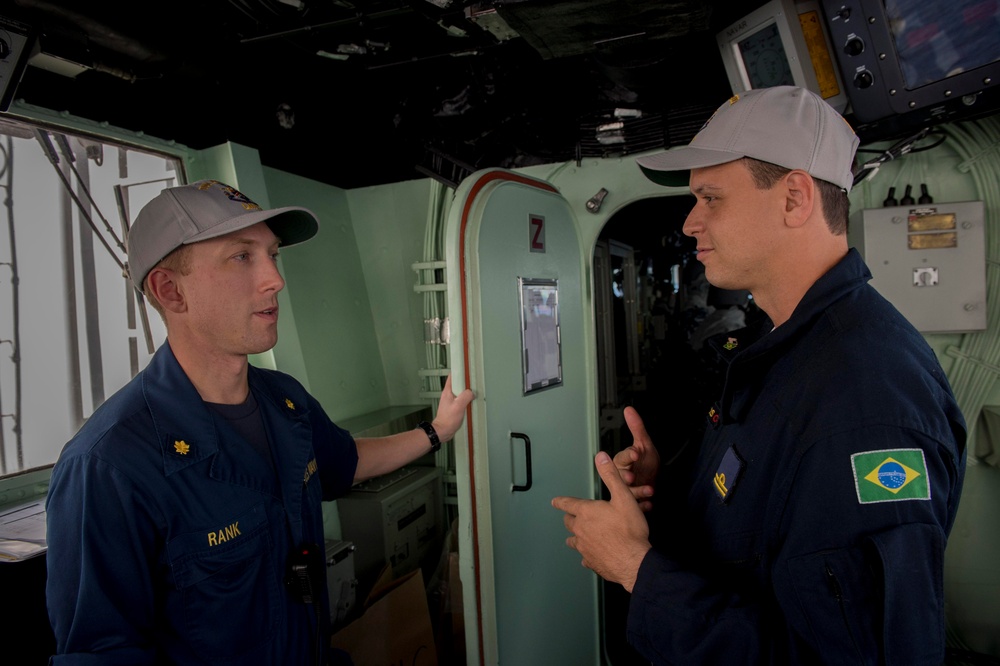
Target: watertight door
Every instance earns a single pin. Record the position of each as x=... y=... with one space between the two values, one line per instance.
x=520 y=340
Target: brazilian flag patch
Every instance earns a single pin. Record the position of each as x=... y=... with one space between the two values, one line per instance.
x=891 y=475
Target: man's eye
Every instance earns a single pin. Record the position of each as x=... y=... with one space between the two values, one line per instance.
x=242 y=256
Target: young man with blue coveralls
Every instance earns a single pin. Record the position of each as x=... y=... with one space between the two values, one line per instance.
x=179 y=511
x=811 y=526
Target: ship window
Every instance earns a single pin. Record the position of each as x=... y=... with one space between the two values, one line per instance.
x=72 y=329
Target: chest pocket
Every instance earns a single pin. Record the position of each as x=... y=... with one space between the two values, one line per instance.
x=731 y=528
x=226 y=597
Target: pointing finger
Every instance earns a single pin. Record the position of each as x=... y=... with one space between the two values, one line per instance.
x=635 y=425
x=568 y=504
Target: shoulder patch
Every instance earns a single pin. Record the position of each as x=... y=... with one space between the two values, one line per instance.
x=890 y=475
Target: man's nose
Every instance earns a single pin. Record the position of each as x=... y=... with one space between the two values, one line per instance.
x=692 y=223
x=272 y=280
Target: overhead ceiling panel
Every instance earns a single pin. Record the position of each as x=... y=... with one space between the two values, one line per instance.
x=562 y=28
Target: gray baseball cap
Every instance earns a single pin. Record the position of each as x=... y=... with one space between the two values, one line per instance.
x=202 y=210
x=784 y=125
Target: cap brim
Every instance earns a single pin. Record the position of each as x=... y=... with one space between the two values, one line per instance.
x=293 y=225
x=673 y=167
x=667 y=178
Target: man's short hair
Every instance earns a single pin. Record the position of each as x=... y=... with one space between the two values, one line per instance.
x=836 y=205
x=178 y=260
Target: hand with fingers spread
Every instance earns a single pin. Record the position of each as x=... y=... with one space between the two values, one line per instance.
x=611 y=536
x=640 y=463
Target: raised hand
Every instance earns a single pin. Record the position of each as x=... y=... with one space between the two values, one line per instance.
x=611 y=536
x=640 y=463
x=451 y=411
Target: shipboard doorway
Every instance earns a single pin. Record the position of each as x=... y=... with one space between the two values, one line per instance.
x=653 y=309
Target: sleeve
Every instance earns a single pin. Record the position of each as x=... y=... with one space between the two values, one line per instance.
x=336 y=454
x=882 y=596
x=100 y=607
x=835 y=580
x=861 y=571
x=679 y=616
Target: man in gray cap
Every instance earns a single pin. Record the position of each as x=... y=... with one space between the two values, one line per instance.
x=812 y=524
x=185 y=523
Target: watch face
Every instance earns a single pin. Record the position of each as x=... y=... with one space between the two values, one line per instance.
x=764 y=57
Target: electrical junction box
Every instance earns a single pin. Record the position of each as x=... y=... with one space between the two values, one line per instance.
x=929 y=260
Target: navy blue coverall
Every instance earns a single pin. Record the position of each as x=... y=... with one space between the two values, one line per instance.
x=822 y=496
x=168 y=535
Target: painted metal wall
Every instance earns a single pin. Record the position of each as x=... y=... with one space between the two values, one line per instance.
x=355 y=331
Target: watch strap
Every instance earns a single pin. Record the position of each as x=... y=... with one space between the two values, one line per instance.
x=431 y=434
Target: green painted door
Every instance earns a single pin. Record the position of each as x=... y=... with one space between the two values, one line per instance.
x=532 y=425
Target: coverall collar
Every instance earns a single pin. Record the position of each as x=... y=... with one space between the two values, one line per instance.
x=750 y=351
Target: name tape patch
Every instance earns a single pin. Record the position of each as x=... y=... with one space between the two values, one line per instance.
x=890 y=475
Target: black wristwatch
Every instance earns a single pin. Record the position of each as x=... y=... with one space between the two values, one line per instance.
x=431 y=434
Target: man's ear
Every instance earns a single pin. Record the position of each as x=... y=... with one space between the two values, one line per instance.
x=800 y=197
x=164 y=287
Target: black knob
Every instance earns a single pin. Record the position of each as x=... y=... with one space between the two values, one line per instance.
x=891 y=199
x=854 y=47
x=863 y=79
x=925 y=197
x=907 y=199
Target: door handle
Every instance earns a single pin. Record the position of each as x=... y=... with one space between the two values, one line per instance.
x=527 y=461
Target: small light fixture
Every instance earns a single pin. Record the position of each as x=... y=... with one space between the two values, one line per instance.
x=594 y=202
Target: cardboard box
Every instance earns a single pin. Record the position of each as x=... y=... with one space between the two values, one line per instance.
x=395 y=627
x=446 y=604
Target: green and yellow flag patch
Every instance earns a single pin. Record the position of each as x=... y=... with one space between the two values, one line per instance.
x=890 y=475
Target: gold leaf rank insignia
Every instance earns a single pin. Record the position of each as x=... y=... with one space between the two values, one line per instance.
x=291 y=405
x=890 y=475
x=181 y=447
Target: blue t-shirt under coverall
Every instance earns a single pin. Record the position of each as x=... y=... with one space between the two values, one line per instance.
x=797 y=543
x=168 y=535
